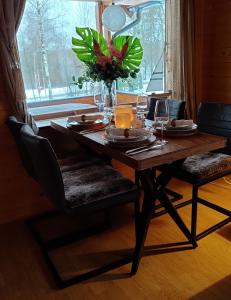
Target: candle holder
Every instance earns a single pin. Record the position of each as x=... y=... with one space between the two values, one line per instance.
x=123 y=116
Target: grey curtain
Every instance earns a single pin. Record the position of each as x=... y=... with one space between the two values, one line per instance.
x=180 y=57
x=11 y=12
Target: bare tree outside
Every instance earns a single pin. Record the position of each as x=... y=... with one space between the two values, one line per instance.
x=151 y=31
x=44 y=39
x=38 y=12
x=47 y=60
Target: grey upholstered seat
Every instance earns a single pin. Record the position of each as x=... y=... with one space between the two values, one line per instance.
x=90 y=187
x=80 y=160
x=89 y=181
x=213 y=118
x=93 y=183
x=207 y=164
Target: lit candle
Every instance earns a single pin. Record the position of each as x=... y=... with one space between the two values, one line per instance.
x=123 y=120
x=123 y=116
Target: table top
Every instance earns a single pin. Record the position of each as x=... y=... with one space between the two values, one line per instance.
x=177 y=147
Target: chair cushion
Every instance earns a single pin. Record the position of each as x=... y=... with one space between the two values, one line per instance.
x=94 y=183
x=77 y=161
x=207 y=164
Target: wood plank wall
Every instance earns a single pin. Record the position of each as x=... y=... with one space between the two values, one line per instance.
x=213 y=50
x=20 y=197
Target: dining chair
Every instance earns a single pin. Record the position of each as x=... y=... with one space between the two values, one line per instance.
x=198 y=170
x=82 y=158
x=176 y=109
x=15 y=128
x=71 y=161
x=82 y=191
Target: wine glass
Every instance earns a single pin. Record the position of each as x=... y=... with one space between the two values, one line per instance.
x=161 y=116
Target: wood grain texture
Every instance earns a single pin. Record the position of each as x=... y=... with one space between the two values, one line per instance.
x=213 y=50
x=175 y=149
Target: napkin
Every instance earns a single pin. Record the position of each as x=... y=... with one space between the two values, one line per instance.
x=88 y=117
x=177 y=123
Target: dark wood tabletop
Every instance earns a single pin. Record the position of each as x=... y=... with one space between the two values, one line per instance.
x=175 y=149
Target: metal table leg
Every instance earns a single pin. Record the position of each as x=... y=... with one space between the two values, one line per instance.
x=154 y=189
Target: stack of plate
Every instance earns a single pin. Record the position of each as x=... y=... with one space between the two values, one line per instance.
x=182 y=130
x=86 y=123
x=128 y=138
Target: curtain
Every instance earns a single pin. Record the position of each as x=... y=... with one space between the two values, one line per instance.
x=180 y=52
x=11 y=12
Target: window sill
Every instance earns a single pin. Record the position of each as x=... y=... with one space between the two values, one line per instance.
x=60 y=110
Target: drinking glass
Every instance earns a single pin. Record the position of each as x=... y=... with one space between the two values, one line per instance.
x=98 y=99
x=161 y=116
x=142 y=106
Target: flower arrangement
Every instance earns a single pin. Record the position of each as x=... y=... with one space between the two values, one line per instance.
x=119 y=58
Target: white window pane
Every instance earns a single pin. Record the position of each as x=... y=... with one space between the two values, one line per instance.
x=151 y=31
x=44 y=38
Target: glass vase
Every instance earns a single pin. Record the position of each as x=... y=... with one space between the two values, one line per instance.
x=108 y=95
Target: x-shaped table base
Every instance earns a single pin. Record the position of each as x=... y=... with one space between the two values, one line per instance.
x=154 y=189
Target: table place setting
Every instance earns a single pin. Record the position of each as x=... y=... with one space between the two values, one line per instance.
x=130 y=132
x=125 y=139
x=178 y=128
x=86 y=123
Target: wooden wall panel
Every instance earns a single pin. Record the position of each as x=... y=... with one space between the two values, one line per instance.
x=213 y=50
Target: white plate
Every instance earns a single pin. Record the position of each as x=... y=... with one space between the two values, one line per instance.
x=131 y=144
x=126 y=135
x=177 y=129
x=180 y=127
x=124 y=139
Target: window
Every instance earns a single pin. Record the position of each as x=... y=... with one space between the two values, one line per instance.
x=44 y=39
x=151 y=31
x=49 y=65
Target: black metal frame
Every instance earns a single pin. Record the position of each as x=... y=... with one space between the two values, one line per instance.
x=47 y=246
x=154 y=188
x=174 y=197
x=196 y=183
x=195 y=201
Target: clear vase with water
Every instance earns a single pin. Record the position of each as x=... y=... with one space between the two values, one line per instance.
x=108 y=94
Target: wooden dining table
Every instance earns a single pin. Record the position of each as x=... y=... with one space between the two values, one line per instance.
x=173 y=154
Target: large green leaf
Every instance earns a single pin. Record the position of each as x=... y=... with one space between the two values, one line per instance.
x=84 y=47
x=133 y=56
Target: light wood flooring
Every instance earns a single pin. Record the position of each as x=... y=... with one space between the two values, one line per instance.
x=202 y=273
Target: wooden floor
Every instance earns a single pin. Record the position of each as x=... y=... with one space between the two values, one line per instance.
x=203 y=273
